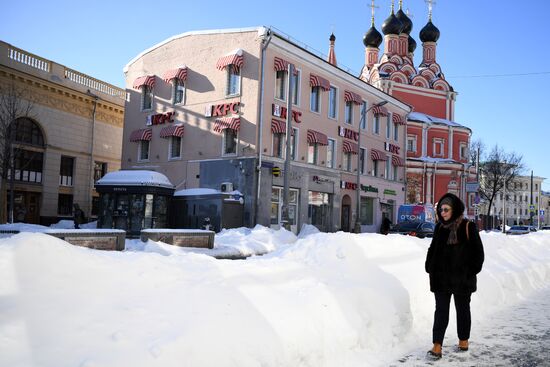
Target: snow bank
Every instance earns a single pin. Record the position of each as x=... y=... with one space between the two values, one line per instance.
x=323 y=299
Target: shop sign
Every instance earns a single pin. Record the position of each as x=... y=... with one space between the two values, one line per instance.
x=319 y=180
x=280 y=111
x=222 y=109
x=348 y=133
x=389 y=147
x=369 y=188
x=160 y=118
x=389 y=192
x=472 y=186
x=348 y=185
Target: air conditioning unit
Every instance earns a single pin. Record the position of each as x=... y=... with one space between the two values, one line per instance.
x=226 y=187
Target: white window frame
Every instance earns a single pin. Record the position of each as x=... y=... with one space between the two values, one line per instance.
x=412 y=142
x=334 y=105
x=281 y=138
x=296 y=93
x=388 y=126
x=375 y=166
x=229 y=72
x=441 y=143
x=315 y=158
x=363 y=153
x=318 y=99
x=146 y=91
x=395 y=131
x=330 y=163
x=281 y=77
x=463 y=147
x=376 y=125
x=348 y=113
x=170 y=146
x=176 y=86
x=387 y=169
x=294 y=144
x=224 y=137
x=347 y=161
x=395 y=172
x=364 y=107
x=140 y=148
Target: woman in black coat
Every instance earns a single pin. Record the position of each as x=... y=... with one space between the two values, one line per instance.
x=454 y=258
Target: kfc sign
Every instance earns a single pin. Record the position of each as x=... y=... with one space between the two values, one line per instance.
x=348 y=133
x=160 y=118
x=280 y=111
x=389 y=147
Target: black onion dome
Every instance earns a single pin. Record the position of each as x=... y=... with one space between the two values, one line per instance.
x=429 y=33
x=405 y=20
x=372 y=38
x=392 y=25
x=332 y=37
x=412 y=45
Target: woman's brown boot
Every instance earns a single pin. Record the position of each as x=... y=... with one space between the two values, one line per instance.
x=463 y=345
x=435 y=352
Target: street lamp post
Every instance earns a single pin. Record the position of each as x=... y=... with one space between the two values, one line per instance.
x=364 y=111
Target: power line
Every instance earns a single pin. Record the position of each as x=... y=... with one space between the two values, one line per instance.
x=498 y=75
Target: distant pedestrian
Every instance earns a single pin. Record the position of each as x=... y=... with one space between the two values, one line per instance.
x=385 y=226
x=78 y=216
x=454 y=259
x=206 y=224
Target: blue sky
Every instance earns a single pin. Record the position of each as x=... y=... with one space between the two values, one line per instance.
x=494 y=53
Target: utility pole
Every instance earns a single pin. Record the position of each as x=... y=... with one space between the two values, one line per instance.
x=531 y=202
x=284 y=215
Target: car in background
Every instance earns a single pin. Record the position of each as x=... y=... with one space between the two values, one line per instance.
x=545 y=228
x=417 y=229
x=521 y=230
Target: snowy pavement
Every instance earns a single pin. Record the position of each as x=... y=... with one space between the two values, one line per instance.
x=518 y=336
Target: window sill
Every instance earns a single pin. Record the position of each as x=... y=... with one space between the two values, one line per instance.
x=233 y=95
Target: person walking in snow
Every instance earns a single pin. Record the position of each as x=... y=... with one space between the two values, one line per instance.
x=78 y=216
x=454 y=259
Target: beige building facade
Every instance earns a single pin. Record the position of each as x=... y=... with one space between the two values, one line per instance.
x=71 y=137
x=209 y=110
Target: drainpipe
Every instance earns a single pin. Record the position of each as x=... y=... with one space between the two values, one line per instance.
x=265 y=43
x=91 y=180
x=433 y=182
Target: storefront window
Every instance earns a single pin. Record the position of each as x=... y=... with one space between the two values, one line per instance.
x=136 y=212
x=367 y=211
x=229 y=141
x=277 y=203
x=160 y=211
x=319 y=210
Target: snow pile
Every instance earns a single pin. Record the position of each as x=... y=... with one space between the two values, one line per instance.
x=323 y=299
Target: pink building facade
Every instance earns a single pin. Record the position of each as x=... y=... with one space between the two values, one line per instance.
x=208 y=110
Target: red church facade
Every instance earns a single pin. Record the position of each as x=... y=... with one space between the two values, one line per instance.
x=437 y=146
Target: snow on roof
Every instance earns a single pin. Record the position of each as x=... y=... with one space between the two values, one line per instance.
x=135 y=178
x=425 y=118
x=204 y=191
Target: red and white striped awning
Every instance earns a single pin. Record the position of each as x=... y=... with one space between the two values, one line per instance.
x=233 y=58
x=147 y=80
x=380 y=110
x=282 y=65
x=178 y=73
x=279 y=127
x=315 y=137
x=173 y=130
x=317 y=81
x=233 y=123
x=350 y=147
x=378 y=155
x=397 y=161
x=398 y=119
x=141 y=135
x=350 y=96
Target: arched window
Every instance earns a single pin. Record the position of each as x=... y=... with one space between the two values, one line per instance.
x=27 y=132
x=27 y=162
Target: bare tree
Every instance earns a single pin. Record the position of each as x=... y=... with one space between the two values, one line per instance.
x=498 y=170
x=15 y=103
x=477 y=149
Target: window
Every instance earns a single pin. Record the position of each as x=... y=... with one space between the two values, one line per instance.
x=366 y=211
x=331 y=149
x=100 y=169
x=348 y=116
x=178 y=96
x=411 y=143
x=294 y=144
x=332 y=103
x=229 y=141
x=438 y=147
x=396 y=132
x=233 y=80
x=364 y=115
x=346 y=161
x=362 y=152
x=95 y=205
x=464 y=151
x=395 y=174
x=278 y=145
x=388 y=127
x=375 y=168
x=27 y=132
x=143 y=150
x=312 y=153
x=536 y=187
x=277 y=203
x=28 y=165
x=315 y=99
x=387 y=170
x=376 y=125
x=175 y=147
x=146 y=98
x=296 y=87
x=280 y=84
x=66 y=169
x=64 y=204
